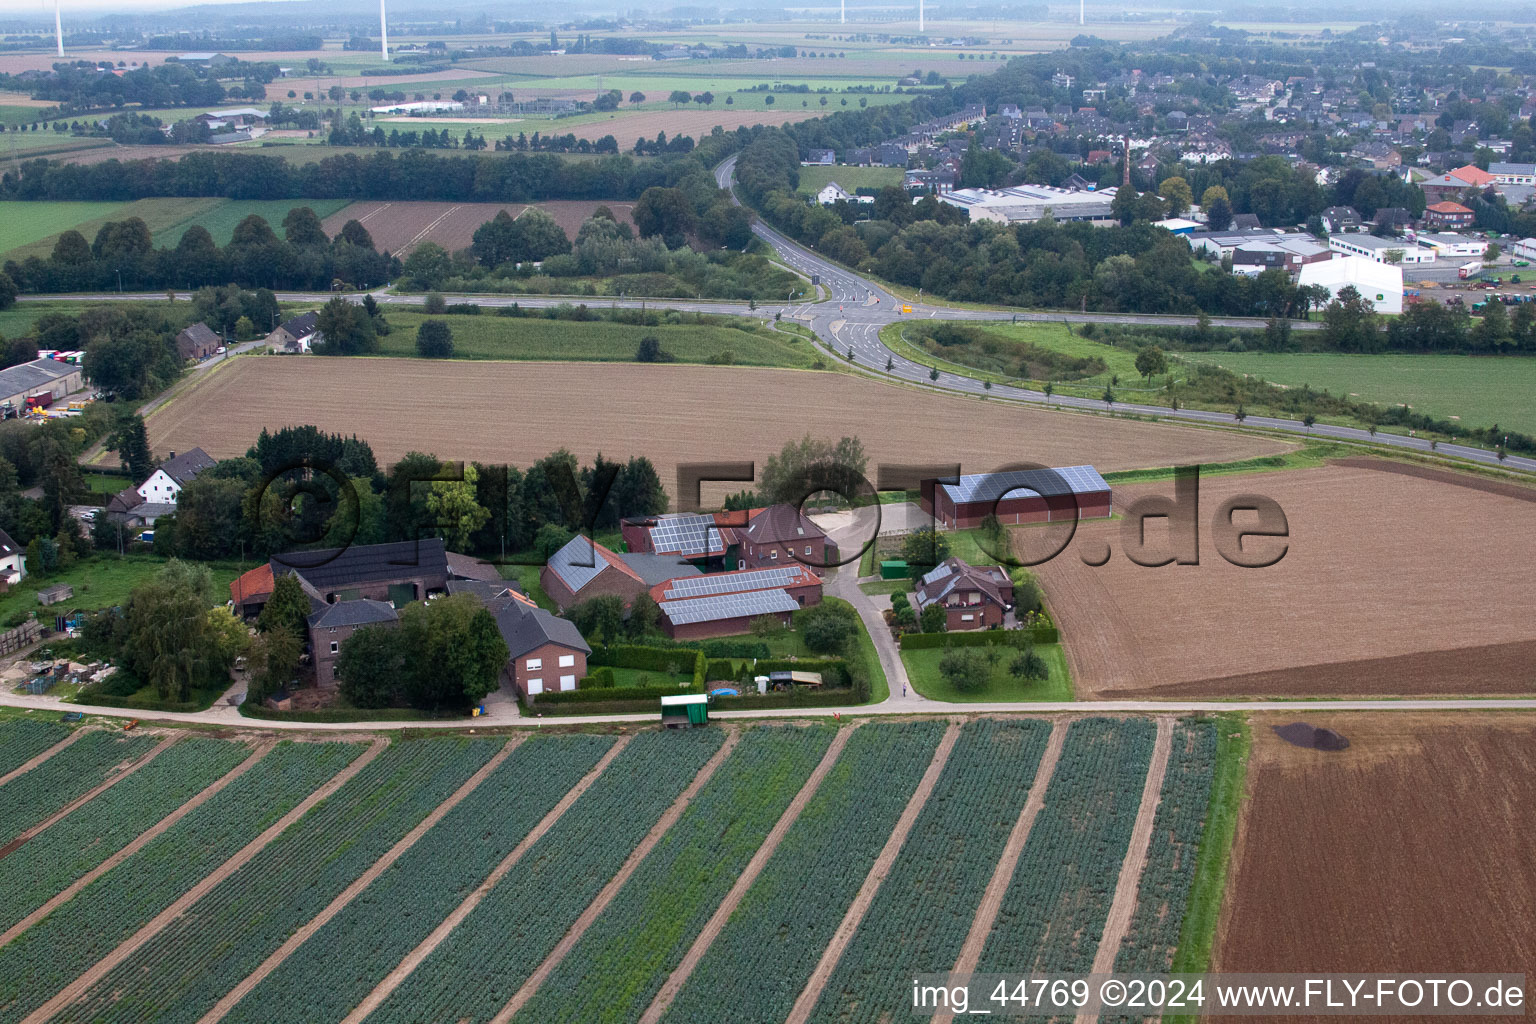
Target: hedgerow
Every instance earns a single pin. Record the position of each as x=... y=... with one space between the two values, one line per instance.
x=483 y=962
x=923 y=910
x=614 y=971
x=30 y=798
x=22 y=739
x=333 y=971
x=46 y=957
x=173 y=978
x=790 y=913
x=44 y=867
x=1054 y=910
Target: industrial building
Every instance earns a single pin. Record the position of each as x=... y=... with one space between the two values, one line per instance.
x=1029 y=203
x=1381 y=284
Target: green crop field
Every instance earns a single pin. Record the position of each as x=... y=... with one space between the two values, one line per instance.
x=1479 y=390
x=159 y=215
x=22 y=223
x=222 y=218
x=526 y=338
x=563 y=877
x=814 y=179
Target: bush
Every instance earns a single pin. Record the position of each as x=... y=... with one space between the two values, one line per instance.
x=600 y=678
x=934 y=619
x=650 y=351
x=827 y=628
x=463 y=309
x=434 y=304
x=1029 y=666
x=740 y=649
x=720 y=669
x=434 y=340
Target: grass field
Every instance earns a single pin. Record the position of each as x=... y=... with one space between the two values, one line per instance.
x=222 y=218
x=1480 y=390
x=923 y=671
x=22 y=223
x=496 y=337
x=159 y=215
x=814 y=179
x=1118 y=362
x=103 y=581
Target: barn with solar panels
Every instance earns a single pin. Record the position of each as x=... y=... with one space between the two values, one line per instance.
x=695 y=538
x=1019 y=496
x=724 y=604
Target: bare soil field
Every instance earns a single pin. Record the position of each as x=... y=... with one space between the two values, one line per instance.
x=1409 y=849
x=515 y=413
x=569 y=213
x=400 y=227
x=99 y=154
x=1393 y=583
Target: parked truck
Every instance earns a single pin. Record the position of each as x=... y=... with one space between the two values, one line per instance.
x=1470 y=270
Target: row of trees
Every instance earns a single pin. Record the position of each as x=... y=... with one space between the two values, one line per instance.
x=123 y=256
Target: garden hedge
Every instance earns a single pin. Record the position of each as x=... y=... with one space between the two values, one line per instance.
x=980 y=638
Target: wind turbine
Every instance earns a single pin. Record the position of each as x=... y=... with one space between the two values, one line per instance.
x=920 y=15
x=58 y=27
x=1082 y=12
x=383 y=32
x=842 y=12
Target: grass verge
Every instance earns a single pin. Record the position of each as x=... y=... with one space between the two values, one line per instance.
x=923 y=672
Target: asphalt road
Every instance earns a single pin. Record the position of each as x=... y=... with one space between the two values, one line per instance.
x=850 y=318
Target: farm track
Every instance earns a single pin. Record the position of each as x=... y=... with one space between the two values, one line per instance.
x=415 y=958
x=1126 y=887
x=45 y=755
x=291 y=945
x=606 y=895
x=114 y=776
x=87 y=980
x=811 y=994
x=262 y=748
x=1002 y=876
x=679 y=977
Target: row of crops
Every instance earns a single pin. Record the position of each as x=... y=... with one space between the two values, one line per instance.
x=342 y=962
x=923 y=910
x=22 y=739
x=612 y=974
x=185 y=969
x=42 y=868
x=763 y=957
x=52 y=953
x=484 y=961
x=1053 y=913
x=1163 y=894
x=31 y=797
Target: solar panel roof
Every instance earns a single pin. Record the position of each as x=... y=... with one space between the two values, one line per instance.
x=728 y=606
x=734 y=582
x=570 y=562
x=688 y=536
x=1045 y=482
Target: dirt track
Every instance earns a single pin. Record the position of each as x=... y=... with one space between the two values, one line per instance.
x=1393 y=583
x=516 y=413
x=1409 y=849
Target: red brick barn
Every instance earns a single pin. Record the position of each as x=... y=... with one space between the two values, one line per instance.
x=724 y=604
x=584 y=569
x=1019 y=496
x=689 y=537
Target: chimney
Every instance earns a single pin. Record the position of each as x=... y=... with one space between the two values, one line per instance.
x=1127 y=182
x=173 y=454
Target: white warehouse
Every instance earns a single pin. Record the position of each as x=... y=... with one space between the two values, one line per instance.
x=1381 y=284
x=1028 y=203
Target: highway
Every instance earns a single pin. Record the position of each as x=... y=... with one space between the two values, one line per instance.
x=849 y=320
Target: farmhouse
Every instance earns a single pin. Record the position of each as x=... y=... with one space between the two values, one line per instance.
x=1019 y=496
x=724 y=604
x=973 y=597
x=197 y=342
x=397 y=573
x=584 y=569
x=1378 y=283
x=783 y=535
x=165 y=483
x=546 y=653
x=330 y=624
x=28 y=384
x=298 y=334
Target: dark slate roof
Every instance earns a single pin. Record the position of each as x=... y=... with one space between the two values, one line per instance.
x=339 y=568
x=468 y=567
x=486 y=590
x=353 y=613
x=952 y=573
x=524 y=628
x=7 y=546
x=782 y=522
x=39 y=373
x=654 y=569
x=302 y=324
x=199 y=334
x=184 y=468
x=125 y=500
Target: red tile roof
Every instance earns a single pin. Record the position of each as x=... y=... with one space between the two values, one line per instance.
x=1447 y=207
x=1474 y=175
x=252 y=585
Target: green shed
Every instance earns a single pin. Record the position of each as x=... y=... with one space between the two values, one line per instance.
x=895 y=569
x=682 y=710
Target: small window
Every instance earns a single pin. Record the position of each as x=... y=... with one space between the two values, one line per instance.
x=534 y=664
x=335 y=647
x=967 y=618
x=567 y=660
x=773 y=556
x=535 y=686
x=807 y=550
x=567 y=682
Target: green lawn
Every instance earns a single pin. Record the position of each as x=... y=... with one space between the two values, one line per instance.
x=159 y=215
x=814 y=179
x=22 y=223
x=1481 y=390
x=791 y=644
x=222 y=218
x=105 y=483
x=103 y=581
x=527 y=338
x=886 y=587
x=643 y=677
x=923 y=671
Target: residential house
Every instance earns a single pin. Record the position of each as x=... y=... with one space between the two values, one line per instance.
x=13 y=562
x=1341 y=218
x=545 y=653
x=197 y=342
x=820 y=158
x=331 y=624
x=1392 y=218
x=166 y=482
x=296 y=335
x=831 y=193
x=1447 y=214
x=973 y=597
x=862 y=156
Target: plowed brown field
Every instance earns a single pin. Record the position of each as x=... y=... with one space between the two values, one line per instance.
x=517 y=412
x=401 y=227
x=1393 y=584
x=1410 y=851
